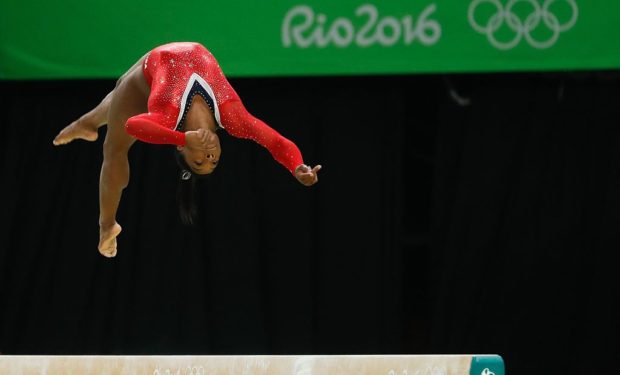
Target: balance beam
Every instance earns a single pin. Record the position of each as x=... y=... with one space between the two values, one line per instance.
x=254 y=365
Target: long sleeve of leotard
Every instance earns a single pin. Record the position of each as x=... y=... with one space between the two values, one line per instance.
x=148 y=127
x=241 y=124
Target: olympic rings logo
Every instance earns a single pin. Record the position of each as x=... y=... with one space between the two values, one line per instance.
x=522 y=28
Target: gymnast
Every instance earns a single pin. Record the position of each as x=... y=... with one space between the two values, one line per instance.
x=176 y=94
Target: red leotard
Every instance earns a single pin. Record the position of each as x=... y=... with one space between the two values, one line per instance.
x=176 y=72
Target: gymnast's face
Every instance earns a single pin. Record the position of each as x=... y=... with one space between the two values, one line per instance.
x=204 y=161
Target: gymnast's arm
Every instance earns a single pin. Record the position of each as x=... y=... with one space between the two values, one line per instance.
x=147 y=128
x=239 y=123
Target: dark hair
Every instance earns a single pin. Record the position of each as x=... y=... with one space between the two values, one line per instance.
x=186 y=191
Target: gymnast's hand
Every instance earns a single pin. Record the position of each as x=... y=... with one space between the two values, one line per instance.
x=200 y=139
x=306 y=175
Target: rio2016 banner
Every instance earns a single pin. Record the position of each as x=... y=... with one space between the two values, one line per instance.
x=101 y=39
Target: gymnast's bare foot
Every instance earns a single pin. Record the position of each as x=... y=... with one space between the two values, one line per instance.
x=107 y=239
x=79 y=129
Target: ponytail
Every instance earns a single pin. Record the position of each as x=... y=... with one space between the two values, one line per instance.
x=186 y=191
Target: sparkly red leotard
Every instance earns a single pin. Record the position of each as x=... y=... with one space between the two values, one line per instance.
x=177 y=72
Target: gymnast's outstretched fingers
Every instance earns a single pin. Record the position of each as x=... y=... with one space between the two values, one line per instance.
x=307 y=176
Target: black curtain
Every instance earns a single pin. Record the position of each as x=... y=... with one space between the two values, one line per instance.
x=454 y=214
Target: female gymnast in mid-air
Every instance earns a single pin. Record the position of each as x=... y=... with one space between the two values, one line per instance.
x=176 y=94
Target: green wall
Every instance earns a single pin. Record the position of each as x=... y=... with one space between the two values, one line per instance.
x=101 y=39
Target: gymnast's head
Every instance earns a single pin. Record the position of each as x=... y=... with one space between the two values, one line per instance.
x=202 y=154
x=202 y=148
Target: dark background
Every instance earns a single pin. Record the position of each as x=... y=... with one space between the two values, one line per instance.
x=455 y=214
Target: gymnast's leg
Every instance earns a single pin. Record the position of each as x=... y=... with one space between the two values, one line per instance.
x=112 y=181
x=86 y=126
x=129 y=99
